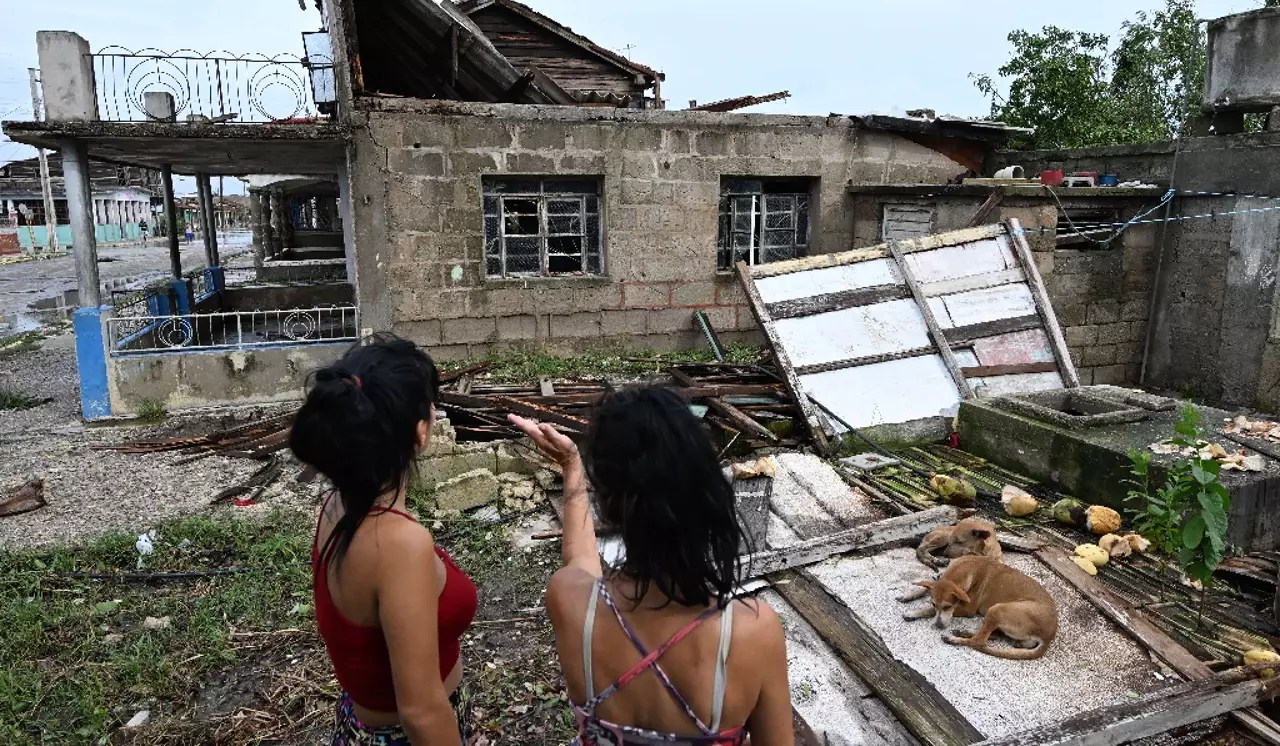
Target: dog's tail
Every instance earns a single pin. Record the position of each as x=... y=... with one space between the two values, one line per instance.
x=1015 y=654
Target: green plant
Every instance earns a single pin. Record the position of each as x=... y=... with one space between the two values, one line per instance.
x=1185 y=518
x=151 y=410
x=10 y=399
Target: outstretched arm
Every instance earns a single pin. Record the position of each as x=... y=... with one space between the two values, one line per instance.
x=578 y=548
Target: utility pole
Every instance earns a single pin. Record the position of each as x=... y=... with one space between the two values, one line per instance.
x=46 y=187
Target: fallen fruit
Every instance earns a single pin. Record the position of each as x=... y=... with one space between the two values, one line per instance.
x=1100 y=519
x=953 y=489
x=1115 y=545
x=1018 y=502
x=1093 y=553
x=1085 y=565
x=1137 y=542
x=1262 y=655
x=1068 y=511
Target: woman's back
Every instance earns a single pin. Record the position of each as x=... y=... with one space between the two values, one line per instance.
x=690 y=664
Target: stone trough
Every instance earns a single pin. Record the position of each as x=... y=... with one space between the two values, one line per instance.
x=1080 y=440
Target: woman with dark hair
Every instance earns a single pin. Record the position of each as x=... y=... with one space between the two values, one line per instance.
x=390 y=604
x=723 y=672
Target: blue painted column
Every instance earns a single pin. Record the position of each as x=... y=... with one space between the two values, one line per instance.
x=91 y=361
x=181 y=291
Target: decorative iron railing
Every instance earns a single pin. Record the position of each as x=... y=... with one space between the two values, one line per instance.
x=199 y=283
x=215 y=87
x=232 y=329
x=135 y=311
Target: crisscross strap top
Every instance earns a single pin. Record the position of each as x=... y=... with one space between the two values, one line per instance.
x=596 y=732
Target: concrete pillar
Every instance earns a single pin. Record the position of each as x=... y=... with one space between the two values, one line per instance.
x=75 y=168
x=66 y=75
x=207 y=219
x=277 y=222
x=257 y=213
x=171 y=221
x=347 y=224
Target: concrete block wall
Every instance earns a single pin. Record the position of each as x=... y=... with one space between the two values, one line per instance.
x=416 y=186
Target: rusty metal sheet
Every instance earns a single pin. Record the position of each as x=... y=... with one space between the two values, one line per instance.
x=1031 y=346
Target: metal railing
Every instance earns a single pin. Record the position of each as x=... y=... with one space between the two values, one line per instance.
x=224 y=88
x=199 y=283
x=135 y=311
x=232 y=329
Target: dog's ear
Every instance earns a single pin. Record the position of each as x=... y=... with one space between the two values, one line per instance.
x=981 y=534
x=926 y=584
x=960 y=594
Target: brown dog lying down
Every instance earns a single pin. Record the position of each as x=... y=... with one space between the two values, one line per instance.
x=966 y=537
x=1010 y=602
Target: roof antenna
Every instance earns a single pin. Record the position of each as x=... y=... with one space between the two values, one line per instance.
x=627 y=50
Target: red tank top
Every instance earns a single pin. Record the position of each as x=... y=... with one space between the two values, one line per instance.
x=359 y=653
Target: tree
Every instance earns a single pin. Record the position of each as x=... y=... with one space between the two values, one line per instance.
x=1075 y=90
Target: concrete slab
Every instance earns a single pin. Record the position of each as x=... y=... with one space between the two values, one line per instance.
x=1090 y=664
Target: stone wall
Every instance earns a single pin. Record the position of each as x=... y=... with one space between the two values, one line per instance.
x=418 y=214
x=1151 y=163
x=1101 y=295
x=190 y=380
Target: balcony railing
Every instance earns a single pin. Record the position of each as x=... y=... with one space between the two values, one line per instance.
x=232 y=329
x=213 y=87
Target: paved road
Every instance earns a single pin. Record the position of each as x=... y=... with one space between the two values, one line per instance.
x=31 y=282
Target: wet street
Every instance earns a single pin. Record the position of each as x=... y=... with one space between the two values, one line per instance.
x=45 y=282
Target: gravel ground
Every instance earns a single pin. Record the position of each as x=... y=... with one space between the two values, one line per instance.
x=92 y=492
x=1090 y=664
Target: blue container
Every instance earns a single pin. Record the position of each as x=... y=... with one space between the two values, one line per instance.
x=1108 y=180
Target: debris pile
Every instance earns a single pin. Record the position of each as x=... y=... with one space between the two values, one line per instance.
x=1237 y=460
x=1264 y=429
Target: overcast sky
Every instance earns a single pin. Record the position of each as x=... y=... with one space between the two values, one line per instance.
x=842 y=56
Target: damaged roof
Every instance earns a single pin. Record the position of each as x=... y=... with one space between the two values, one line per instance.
x=471 y=7
x=924 y=122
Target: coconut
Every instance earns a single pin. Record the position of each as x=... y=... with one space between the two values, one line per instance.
x=1068 y=511
x=1100 y=519
x=953 y=489
x=1115 y=545
x=1137 y=542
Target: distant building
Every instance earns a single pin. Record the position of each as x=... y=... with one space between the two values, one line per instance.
x=122 y=197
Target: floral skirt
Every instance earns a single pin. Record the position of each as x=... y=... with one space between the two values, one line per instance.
x=350 y=731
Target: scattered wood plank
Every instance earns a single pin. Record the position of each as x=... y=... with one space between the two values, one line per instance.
x=935 y=331
x=962 y=335
x=907 y=246
x=24 y=498
x=979 y=371
x=985 y=209
x=741 y=422
x=853 y=362
x=973 y=282
x=837 y=301
x=1045 y=309
x=867 y=537
x=1156 y=713
x=916 y=703
x=804 y=734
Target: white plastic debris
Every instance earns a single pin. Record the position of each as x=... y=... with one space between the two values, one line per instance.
x=146 y=544
x=152 y=622
x=139 y=719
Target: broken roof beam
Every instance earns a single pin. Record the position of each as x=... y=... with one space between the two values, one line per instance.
x=741 y=102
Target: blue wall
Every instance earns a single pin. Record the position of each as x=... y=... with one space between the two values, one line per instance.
x=36 y=235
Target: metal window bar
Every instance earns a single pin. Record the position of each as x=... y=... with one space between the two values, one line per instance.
x=243 y=89
x=233 y=329
x=541 y=199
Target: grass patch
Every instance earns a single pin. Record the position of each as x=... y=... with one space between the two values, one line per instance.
x=80 y=660
x=152 y=410
x=10 y=399
x=525 y=366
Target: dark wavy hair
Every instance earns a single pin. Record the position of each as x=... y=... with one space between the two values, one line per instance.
x=657 y=479
x=359 y=425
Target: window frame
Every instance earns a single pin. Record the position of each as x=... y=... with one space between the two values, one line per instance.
x=733 y=190
x=590 y=255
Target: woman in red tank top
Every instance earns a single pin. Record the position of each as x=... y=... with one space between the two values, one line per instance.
x=391 y=605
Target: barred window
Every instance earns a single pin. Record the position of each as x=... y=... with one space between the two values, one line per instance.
x=542 y=227
x=762 y=220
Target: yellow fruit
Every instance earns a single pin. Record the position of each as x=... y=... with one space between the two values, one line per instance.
x=1115 y=545
x=1092 y=553
x=1085 y=565
x=953 y=490
x=1100 y=520
x=1137 y=542
x=1262 y=655
x=1017 y=502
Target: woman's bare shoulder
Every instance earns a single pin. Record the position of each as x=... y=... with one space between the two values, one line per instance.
x=756 y=620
